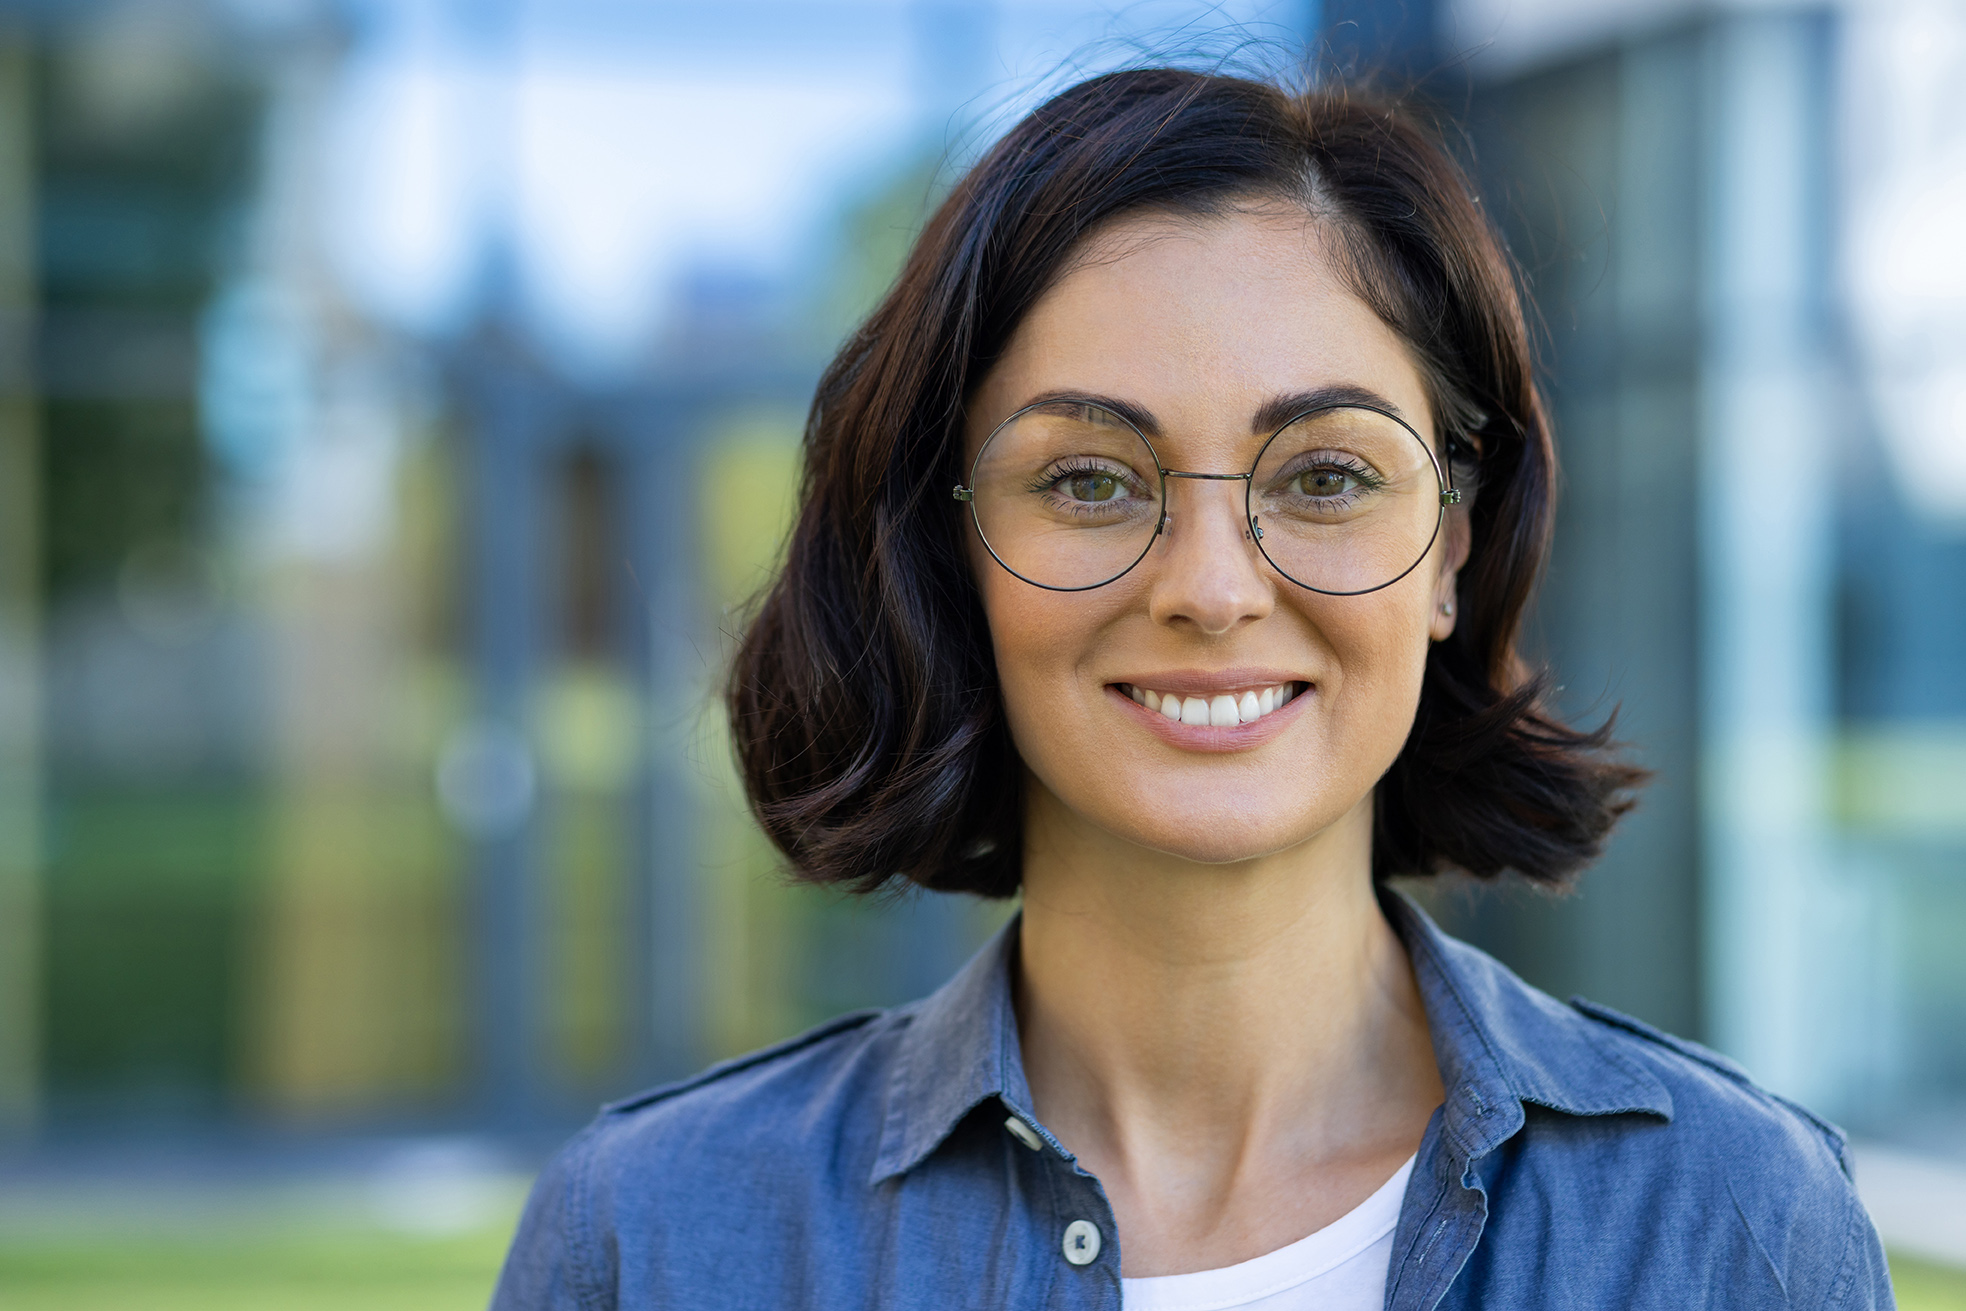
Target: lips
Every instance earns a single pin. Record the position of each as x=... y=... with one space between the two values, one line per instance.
x=1224 y=708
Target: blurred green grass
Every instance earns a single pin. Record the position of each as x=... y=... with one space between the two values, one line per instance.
x=383 y=1271
x=1922 y=1286
x=374 y=1271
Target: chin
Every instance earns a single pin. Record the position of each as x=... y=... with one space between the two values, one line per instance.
x=1222 y=834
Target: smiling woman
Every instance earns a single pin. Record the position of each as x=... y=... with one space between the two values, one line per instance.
x=1163 y=543
x=868 y=763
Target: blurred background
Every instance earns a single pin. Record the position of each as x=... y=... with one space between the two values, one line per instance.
x=399 y=398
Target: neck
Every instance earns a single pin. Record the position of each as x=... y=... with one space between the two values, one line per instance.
x=1207 y=1037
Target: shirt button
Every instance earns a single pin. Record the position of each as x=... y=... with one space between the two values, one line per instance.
x=1024 y=1133
x=1081 y=1242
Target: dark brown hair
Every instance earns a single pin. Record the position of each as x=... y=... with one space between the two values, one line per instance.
x=864 y=703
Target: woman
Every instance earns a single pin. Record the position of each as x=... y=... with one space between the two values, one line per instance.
x=1163 y=543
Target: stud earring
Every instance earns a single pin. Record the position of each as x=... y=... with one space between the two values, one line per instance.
x=1447 y=608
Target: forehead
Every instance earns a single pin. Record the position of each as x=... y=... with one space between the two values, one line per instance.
x=1202 y=322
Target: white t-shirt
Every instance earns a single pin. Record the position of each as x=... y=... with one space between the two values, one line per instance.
x=1341 y=1267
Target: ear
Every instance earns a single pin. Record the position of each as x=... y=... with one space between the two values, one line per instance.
x=1457 y=538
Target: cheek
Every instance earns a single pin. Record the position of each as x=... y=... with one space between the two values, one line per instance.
x=1044 y=644
x=1380 y=643
x=1374 y=663
x=1040 y=639
x=1019 y=639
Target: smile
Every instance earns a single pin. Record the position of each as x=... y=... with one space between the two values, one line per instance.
x=1224 y=709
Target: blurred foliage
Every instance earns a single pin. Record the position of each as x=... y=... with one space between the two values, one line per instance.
x=144 y=140
x=147 y=142
x=748 y=483
x=144 y=158
x=143 y=913
x=117 y=475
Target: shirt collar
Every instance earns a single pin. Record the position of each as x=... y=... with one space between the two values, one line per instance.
x=1499 y=1044
x=959 y=1049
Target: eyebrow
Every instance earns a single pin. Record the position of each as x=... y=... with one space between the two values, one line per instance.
x=1280 y=410
x=1270 y=416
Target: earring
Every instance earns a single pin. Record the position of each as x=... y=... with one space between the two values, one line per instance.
x=1447 y=608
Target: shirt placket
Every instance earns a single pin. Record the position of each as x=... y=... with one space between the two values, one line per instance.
x=1438 y=1252
x=1426 y=1263
x=1075 y=1223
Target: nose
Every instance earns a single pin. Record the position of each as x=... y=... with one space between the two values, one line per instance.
x=1207 y=573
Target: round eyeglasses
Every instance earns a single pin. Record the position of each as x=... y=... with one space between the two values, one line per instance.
x=1343 y=499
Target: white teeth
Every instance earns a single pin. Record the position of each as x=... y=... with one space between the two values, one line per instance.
x=1223 y=710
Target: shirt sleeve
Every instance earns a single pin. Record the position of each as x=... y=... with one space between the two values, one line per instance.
x=1864 y=1282
x=553 y=1264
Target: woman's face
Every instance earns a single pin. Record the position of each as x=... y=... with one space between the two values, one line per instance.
x=1205 y=326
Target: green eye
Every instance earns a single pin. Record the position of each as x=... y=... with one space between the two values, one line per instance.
x=1325 y=481
x=1092 y=486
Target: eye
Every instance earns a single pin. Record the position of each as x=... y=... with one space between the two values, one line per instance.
x=1327 y=480
x=1092 y=487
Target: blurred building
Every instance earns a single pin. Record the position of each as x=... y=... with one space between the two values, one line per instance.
x=1729 y=218
x=362 y=763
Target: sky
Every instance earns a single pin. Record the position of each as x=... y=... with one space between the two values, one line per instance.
x=601 y=148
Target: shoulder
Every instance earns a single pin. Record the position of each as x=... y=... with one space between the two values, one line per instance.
x=1776 y=1154
x=1629 y=1166
x=778 y=1103
x=786 y=1068
x=1597 y=1066
x=1712 y=1094
x=1758 y=1183
x=794 y=1126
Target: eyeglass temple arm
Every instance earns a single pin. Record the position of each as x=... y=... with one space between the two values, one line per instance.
x=1450 y=494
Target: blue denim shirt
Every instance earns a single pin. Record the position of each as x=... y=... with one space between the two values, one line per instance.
x=1581 y=1159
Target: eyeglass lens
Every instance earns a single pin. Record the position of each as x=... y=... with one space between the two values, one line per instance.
x=1347 y=500
x=1068 y=496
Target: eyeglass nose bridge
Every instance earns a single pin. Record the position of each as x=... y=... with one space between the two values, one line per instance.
x=1165 y=517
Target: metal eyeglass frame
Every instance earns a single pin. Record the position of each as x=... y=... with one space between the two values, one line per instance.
x=1443 y=474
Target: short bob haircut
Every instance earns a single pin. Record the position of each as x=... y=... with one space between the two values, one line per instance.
x=864 y=703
